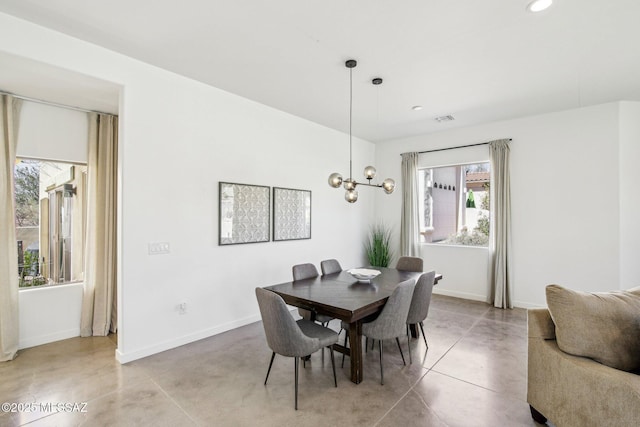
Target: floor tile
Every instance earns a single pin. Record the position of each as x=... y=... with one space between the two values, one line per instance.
x=491 y=355
x=472 y=373
x=411 y=411
x=459 y=403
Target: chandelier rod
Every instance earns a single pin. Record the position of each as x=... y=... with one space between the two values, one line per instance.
x=350 y=122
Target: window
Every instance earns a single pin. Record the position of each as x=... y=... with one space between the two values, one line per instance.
x=50 y=216
x=454 y=204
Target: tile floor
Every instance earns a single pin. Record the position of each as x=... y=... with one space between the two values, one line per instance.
x=473 y=374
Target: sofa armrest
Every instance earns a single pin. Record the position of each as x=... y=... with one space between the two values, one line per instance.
x=540 y=324
x=576 y=391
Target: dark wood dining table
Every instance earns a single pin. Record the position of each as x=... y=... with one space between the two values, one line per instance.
x=342 y=296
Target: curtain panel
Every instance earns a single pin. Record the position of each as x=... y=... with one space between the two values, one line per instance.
x=99 y=308
x=9 y=333
x=410 y=222
x=500 y=236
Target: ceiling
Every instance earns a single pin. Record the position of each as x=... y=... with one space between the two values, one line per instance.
x=479 y=61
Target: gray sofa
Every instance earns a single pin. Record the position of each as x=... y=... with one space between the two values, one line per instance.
x=572 y=390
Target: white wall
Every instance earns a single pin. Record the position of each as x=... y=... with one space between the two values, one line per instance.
x=464 y=269
x=49 y=314
x=565 y=199
x=629 y=194
x=178 y=139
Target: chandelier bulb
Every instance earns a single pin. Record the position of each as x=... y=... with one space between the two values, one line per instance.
x=369 y=172
x=349 y=184
x=388 y=185
x=351 y=196
x=335 y=180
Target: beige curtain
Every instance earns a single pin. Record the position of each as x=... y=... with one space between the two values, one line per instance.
x=99 y=308
x=500 y=240
x=410 y=222
x=9 y=115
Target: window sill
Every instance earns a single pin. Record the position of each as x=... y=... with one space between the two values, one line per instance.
x=53 y=286
x=446 y=245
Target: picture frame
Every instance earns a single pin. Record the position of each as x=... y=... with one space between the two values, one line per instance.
x=291 y=214
x=243 y=213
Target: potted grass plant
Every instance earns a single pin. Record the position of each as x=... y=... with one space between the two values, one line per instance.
x=378 y=246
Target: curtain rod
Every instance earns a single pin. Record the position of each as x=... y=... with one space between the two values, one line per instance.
x=54 y=104
x=454 y=148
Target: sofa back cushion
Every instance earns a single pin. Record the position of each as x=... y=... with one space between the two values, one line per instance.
x=604 y=326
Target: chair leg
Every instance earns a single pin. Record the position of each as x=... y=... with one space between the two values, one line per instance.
x=269 y=370
x=381 y=370
x=366 y=344
x=346 y=338
x=333 y=366
x=409 y=343
x=423 y=335
x=401 y=354
x=296 y=369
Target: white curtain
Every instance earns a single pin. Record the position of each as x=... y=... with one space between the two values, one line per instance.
x=9 y=115
x=99 y=308
x=500 y=240
x=410 y=222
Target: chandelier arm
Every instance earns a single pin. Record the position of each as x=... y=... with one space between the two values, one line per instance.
x=367 y=184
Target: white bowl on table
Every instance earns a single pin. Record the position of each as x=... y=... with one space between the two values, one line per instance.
x=363 y=274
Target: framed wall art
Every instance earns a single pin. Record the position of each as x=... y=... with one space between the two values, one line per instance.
x=291 y=214
x=243 y=213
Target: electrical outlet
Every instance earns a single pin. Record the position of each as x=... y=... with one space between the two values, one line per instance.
x=182 y=308
x=159 y=248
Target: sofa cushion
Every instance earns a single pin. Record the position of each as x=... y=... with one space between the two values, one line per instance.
x=604 y=326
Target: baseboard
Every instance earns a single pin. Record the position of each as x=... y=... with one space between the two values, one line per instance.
x=46 y=339
x=524 y=304
x=185 y=339
x=483 y=298
x=456 y=294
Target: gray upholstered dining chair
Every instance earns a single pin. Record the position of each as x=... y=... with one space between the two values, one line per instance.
x=308 y=271
x=409 y=263
x=304 y=271
x=420 y=302
x=330 y=266
x=291 y=338
x=392 y=321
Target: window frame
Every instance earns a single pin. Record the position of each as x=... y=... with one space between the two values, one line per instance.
x=461 y=229
x=77 y=226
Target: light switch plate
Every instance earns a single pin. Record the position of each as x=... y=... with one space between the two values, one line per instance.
x=159 y=248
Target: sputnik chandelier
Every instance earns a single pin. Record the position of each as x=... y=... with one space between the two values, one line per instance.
x=350 y=184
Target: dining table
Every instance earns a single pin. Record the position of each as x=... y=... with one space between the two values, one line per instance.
x=343 y=296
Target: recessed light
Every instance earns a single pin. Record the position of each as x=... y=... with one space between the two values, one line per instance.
x=539 y=5
x=416 y=107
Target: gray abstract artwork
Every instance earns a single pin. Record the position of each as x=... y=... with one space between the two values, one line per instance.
x=291 y=214
x=243 y=213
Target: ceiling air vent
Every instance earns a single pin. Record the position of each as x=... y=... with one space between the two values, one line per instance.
x=446 y=118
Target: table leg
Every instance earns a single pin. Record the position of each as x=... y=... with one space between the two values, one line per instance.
x=355 y=345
